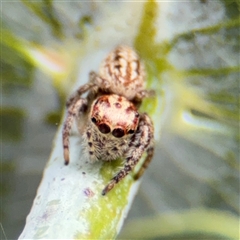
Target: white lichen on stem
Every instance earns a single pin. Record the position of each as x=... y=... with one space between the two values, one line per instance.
x=69 y=203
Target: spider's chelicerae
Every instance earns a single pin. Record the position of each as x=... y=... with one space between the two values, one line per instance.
x=108 y=116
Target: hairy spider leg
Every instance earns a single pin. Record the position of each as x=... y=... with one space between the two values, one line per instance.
x=143 y=94
x=79 y=92
x=74 y=105
x=142 y=140
x=74 y=109
x=150 y=152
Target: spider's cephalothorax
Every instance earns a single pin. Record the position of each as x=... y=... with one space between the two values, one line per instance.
x=111 y=125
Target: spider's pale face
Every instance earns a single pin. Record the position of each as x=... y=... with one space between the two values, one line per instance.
x=115 y=115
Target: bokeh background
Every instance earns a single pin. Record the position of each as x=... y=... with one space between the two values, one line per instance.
x=191 y=52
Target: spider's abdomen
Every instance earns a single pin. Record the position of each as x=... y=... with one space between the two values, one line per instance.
x=123 y=72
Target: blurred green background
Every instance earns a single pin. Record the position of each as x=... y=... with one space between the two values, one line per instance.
x=191 y=52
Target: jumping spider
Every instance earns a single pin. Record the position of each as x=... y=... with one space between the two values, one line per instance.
x=109 y=119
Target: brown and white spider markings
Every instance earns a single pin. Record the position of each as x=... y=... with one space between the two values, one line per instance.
x=108 y=117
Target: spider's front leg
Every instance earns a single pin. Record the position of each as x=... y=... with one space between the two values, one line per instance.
x=141 y=141
x=150 y=152
x=92 y=84
x=76 y=107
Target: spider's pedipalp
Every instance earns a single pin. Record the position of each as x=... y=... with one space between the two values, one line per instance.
x=141 y=141
x=74 y=109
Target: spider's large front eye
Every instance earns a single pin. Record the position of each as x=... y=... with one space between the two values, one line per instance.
x=118 y=132
x=104 y=128
x=93 y=119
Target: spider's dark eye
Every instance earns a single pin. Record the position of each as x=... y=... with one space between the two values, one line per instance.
x=130 y=131
x=118 y=132
x=136 y=114
x=93 y=119
x=104 y=128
